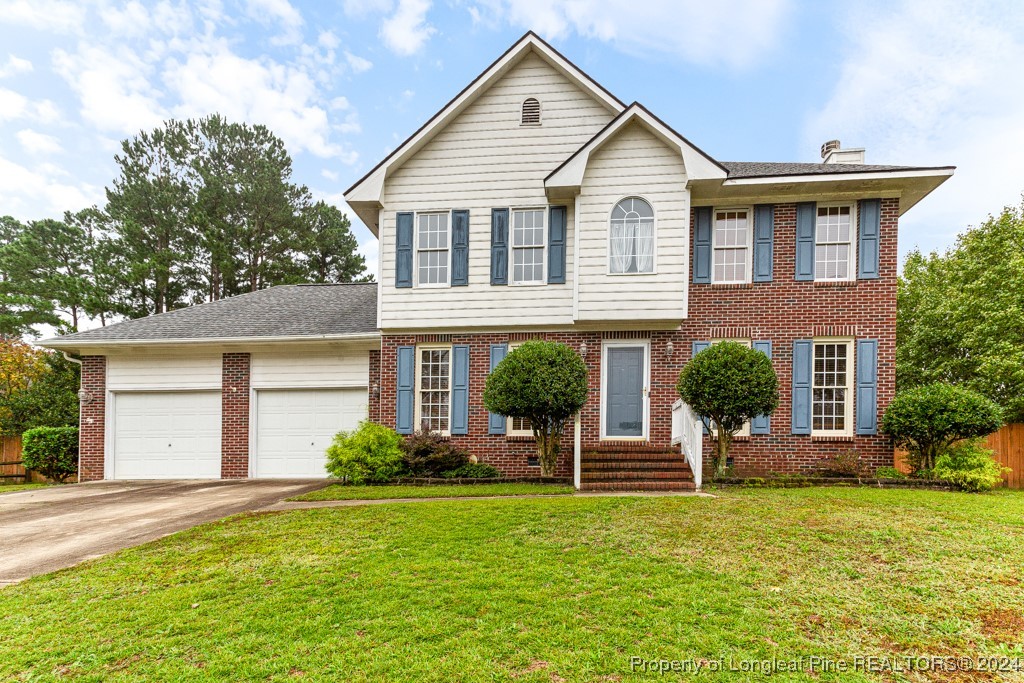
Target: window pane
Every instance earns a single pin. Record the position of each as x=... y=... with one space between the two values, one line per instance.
x=830 y=387
x=528 y=246
x=434 y=392
x=731 y=233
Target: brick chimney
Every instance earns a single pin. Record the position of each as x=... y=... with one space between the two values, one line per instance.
x=833 y=153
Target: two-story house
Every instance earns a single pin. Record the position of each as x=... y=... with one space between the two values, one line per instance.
x=535 y=204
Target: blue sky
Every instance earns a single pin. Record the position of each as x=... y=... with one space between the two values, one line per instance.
x=926 y=82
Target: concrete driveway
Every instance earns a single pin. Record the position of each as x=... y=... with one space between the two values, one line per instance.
x=42 y=530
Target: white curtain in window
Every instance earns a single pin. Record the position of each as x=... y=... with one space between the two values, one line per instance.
x=645 y=247
x=621 y=243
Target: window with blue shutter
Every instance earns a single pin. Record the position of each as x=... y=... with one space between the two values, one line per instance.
x=803 y=367
x=702 y=245
x=460 y=389
x=460 y=248
x=495 y=422
x=499 y=246
x=806 y=219
x=403 y=250
x=764 y=242
x=868 y=238
x=867 y=386
x=406 y=389
x=556 y=245
x=699 y=346
x=762 y=423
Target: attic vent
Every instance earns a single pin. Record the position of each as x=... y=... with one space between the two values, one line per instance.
x=531 y=112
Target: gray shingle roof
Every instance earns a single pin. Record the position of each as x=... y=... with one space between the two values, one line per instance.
x=766 y=169
x=284 y=311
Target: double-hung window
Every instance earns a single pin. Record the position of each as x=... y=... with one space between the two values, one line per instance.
x=433 y=241
x=518 y=426
x=832 y=388
x=433 y=388
x=745 y=429
x=529 y=240
x=731 y=242
x=833 y=242
x=631 y=237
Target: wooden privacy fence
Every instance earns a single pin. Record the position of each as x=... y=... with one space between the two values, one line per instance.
x=11 y=469
x=1008 y=445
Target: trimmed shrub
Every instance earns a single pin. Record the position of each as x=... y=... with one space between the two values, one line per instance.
x=729 y=384
x=846 y=464
x=929 y=419
x=889 y=473
x=427 y=454
x=474 y=470
x=51 y=451
x=544 y=382
x=970 y=466
x=370 y=453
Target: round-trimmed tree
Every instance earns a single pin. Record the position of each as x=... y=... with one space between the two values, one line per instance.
x=927 y=420
x=730 y=384
x=545 y=383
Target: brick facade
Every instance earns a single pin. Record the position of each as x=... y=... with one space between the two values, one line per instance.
x=92 y=432
x=373 y=387
x=234 y=449
x=782 y=311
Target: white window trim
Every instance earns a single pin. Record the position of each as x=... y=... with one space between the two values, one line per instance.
x=546 y=213
x=509 y=420
x=608 y=239
x=749 y=264
x=749 y=343
x=851 y=373
x=418 y=407
x=854 y=225
x=605 y=345
x=416 y=250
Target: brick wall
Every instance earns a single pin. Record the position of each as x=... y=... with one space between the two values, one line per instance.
x=92 y=433
x=234 y=448
x=373 y=387
x=782 y=311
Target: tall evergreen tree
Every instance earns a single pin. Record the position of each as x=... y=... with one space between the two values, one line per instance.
x=328 y=246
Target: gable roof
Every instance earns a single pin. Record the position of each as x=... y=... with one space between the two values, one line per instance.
x=276 y=313
x=773 y=169
x=365 y=194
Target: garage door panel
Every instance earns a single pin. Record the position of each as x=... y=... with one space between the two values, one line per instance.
x=166 y=435
x=295 y=427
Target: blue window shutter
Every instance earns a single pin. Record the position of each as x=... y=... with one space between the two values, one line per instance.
x=406 y=388
x=403 y=250
x=702 y=246
x=499 y=246
x=556 y=245
x=762 y=423
x=460 y=248
x=806 y=218
x=460 y=389
x=803 y=367
x=869 y=233
x=867 y=386
x=764 y=242
x=495 y=422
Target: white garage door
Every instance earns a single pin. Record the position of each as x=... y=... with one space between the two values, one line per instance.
x=295 y=427
x=167 y=435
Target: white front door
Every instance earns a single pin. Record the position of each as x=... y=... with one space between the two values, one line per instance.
x=295 y=427
x=166 y=435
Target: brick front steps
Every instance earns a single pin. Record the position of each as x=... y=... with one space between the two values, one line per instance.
x=634 y=468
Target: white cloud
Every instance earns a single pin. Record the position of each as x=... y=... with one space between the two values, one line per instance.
x=131 y=19
x=735 y=34
x=361 y=8
x=56 y=16
x=406 y=31
x=29 y=194
x=278 y=13
x=357 y=63
x=35 y=142
x=330 y=175
x=16 y=106
x=328 y=40
x=934 y=83
x=14 y=66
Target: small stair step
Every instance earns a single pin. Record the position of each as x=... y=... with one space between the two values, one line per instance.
x=631 y=475
x=598 y=465
x=605 y=456
x=638 y=486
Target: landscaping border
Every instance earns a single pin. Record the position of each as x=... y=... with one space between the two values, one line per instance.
x=800 y=482
x=436 y=481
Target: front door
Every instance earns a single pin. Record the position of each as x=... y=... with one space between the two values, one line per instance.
x=624 y=395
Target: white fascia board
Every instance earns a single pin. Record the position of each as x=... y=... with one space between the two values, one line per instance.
x=833 y=177
x=59 y=344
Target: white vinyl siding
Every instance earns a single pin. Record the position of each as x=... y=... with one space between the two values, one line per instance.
x=484 y=159
x=732 y=241
x=834 y=234
x=634 y=163
x=832 y=388
x=310 y=368
x=528 y=244
x=433 y=388
x=164 y=371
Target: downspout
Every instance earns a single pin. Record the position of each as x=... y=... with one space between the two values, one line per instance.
x=79 y=364
x=576 y=453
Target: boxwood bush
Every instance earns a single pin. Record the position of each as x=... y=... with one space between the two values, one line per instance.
x=970 y=466
x=370 y=453
x=474 y=470
x=51 y=451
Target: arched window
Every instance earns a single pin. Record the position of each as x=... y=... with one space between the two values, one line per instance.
x=631 y=237
x=531 y=112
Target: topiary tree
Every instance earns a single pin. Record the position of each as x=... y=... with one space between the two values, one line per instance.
x=51 y=451
x=544 y=382
x=730 y=384
x=926 y=420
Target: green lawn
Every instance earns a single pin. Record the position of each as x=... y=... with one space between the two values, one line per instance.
x=13 y=488
x=339 y=492
x=538 y=589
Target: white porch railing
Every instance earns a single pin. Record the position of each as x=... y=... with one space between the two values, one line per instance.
x=688 y=432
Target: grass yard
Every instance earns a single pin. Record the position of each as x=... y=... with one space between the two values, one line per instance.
x=339 y=492
x=539 y=589
x=14 y=488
